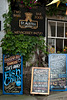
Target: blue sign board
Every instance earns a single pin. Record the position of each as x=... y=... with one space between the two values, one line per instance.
x=58 y=72
x=12 y=74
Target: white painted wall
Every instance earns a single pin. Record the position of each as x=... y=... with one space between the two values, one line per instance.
x=3 y=9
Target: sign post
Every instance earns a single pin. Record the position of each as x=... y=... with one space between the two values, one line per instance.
x=12 y=74
x=40 y=80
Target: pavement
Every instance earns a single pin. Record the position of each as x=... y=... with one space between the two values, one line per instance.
x=51 y=96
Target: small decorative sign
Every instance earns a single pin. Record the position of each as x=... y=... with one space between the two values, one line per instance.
x=40 y=80
x=58 y=66
x=27 y=21
x=12 y=74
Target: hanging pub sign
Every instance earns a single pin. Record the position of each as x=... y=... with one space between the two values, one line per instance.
x=12 y=74
x=58 y=66
x=27 y=21
x=40 y=80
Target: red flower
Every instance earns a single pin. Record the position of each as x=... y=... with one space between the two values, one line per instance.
x=30 y=7
x=30 y=1
x=21 y=1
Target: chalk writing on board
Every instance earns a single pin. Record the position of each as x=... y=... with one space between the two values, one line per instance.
x=57 y=63
x=12 y=74
x=40 y=80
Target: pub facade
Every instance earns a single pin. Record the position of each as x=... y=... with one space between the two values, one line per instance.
x=35 y=22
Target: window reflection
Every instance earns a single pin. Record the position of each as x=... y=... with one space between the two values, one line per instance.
x=60 y=29
x=65 y=42
x=65 y=29
x=51 y=28
x=59 y=45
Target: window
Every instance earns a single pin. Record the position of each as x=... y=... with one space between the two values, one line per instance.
x=57 y=35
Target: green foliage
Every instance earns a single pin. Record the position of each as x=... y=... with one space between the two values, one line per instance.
x=63 y=1
x=7 y=20
x=54 y=10
x=29 y=3
x=22 y=44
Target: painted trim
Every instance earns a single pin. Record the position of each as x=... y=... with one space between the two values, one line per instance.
x=57 y=20
x=32 y=80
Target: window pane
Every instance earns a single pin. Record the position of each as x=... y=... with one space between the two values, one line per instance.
x=59 y=45
x=66 y=30
x=51 y=28
x=65 y=43
x=60 y=29
x=51 y=45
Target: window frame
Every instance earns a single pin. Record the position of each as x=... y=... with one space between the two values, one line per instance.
x=55 y=37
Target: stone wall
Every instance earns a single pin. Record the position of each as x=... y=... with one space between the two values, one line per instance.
x=3 y=9
x=27 y=80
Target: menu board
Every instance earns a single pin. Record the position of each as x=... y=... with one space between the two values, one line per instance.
x=40 y=80
x=27 y=21
x=57 y=64
x=12 y=74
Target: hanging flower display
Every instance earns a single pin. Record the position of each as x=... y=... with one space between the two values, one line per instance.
x=29 y=3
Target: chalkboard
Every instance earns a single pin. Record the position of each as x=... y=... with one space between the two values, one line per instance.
x=27 y=21
x=57 y=64
x=12 y=74
x=40 y=80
